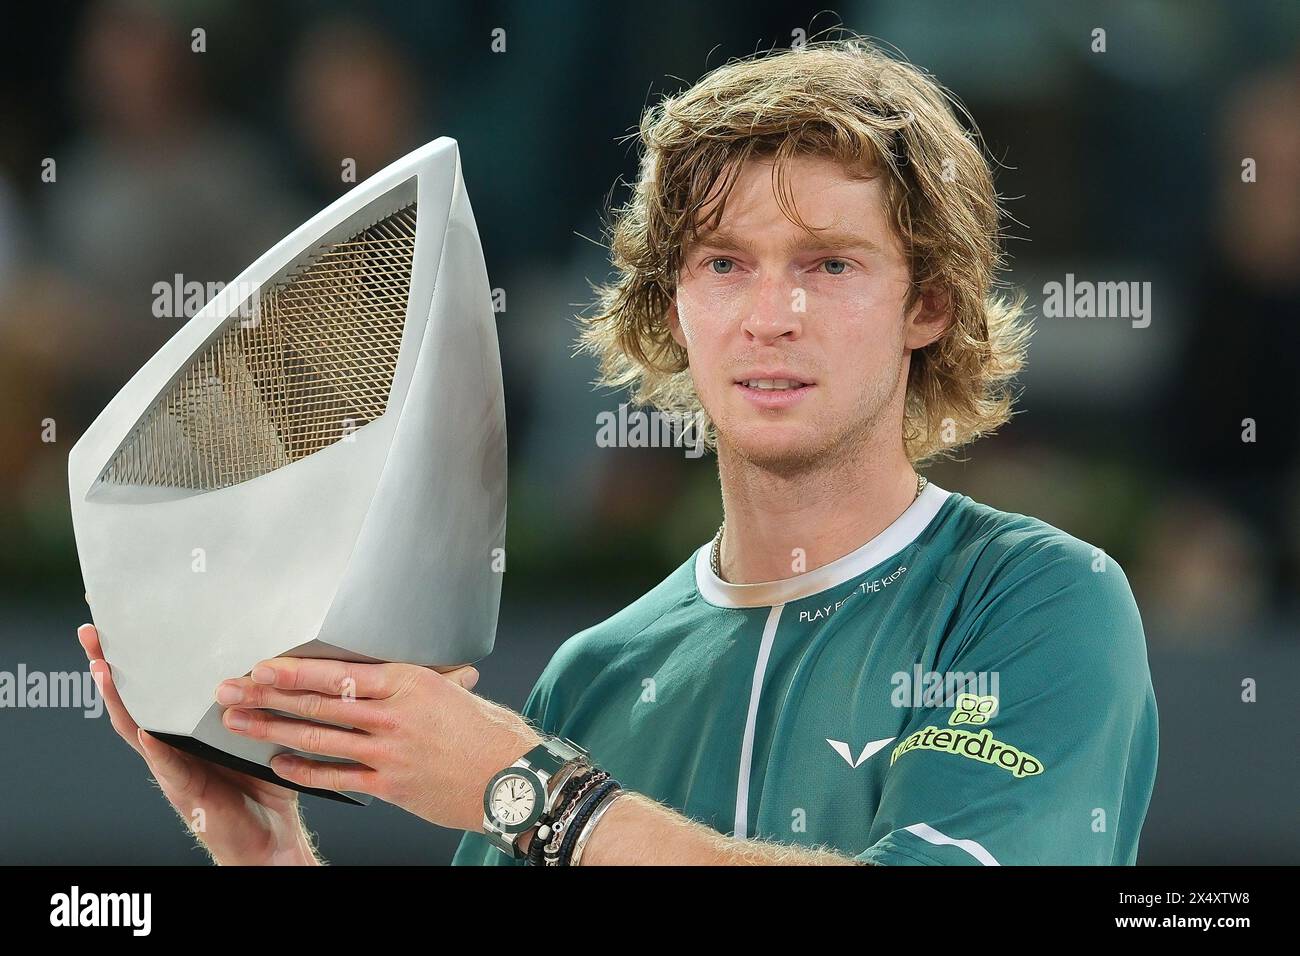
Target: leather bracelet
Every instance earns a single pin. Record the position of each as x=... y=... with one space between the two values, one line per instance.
x=580 y=819
x=585 y=834
x=565 y=817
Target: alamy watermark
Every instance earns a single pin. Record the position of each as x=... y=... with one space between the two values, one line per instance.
x=641 y=428
x=1083 y=299
x=75 y=908
x=919 y=688
x=182 y=299
x=37 y=689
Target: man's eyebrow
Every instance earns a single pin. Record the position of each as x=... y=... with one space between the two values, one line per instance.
x=827 y=239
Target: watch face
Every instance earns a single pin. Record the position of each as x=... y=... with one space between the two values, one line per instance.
x=513 y=800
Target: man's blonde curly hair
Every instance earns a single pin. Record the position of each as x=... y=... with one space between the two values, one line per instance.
x=845 y=99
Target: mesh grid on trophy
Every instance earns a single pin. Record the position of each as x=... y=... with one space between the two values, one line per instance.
x=313 y=361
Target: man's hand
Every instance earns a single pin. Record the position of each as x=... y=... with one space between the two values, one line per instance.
x=417 y=738
x=239 y=819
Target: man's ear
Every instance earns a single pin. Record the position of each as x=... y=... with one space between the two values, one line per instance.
x=929 y=317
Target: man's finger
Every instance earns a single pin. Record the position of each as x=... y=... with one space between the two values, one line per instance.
x=127 y=728
x=325 y=775
x=358 y=712
x=117 y=715
x=464 y=675
x=305 y=735
x=167 y=764
x=337 y=678
x=88 y=635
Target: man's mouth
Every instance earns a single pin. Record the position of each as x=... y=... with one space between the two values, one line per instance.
x=773 y=384
x=773 y=388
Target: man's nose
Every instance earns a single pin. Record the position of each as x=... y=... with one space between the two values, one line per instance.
x=774 y=311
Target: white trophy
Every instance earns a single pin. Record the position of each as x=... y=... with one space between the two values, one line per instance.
x=314 y=465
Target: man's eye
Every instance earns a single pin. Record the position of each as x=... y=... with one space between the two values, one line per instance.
x=721 y=266
x=835 y=267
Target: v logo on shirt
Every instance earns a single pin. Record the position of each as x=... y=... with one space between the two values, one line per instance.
x=841 y=748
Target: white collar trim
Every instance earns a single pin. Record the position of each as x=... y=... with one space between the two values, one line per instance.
x=906 y=528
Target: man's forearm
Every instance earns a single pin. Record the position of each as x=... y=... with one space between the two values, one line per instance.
x=638 y=831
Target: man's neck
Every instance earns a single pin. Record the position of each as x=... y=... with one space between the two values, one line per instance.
x=783 y=523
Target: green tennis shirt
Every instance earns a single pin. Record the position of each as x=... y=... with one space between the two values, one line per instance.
x=968 y=687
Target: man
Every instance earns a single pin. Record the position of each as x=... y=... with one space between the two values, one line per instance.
x=860 y=667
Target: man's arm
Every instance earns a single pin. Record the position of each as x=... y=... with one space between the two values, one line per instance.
x=637 y=831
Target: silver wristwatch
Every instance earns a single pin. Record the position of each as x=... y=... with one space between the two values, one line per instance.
x=517 y=796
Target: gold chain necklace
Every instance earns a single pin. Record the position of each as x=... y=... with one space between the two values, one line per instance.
x=715 y=552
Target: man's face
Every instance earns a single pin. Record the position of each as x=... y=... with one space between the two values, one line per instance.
x=797 y=343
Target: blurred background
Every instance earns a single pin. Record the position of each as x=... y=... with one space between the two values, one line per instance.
x=128 y=158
